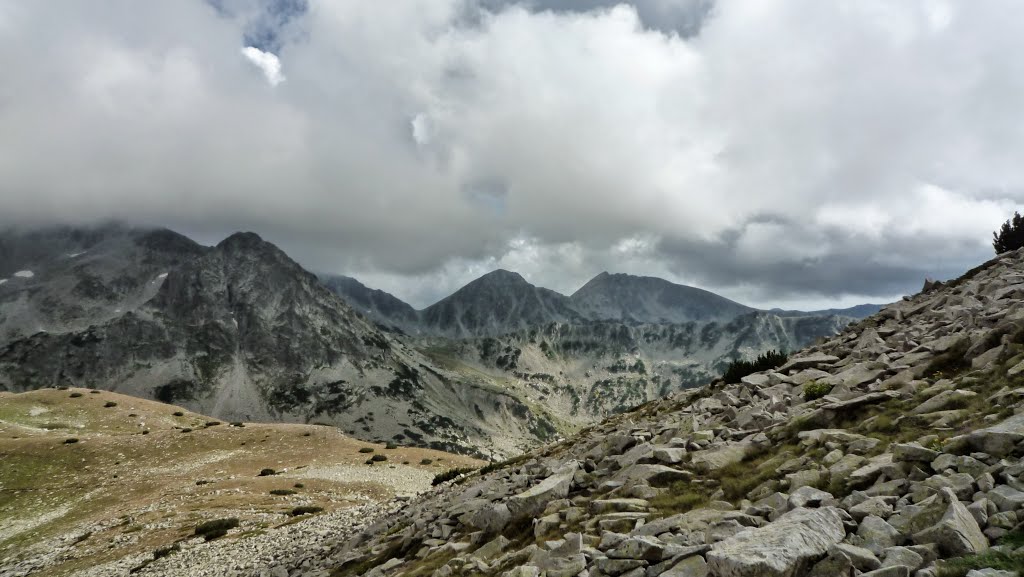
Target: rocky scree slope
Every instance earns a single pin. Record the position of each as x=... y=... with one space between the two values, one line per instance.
x=892 y=449
x=242 y=332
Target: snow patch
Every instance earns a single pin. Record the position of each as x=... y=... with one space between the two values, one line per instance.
x=24 y=274
x=76 y=254
x=160 y=277
x=3 y=280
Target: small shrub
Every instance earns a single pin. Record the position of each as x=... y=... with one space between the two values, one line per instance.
x=450 y=474
x=75 y=395
x=70 y=441
x=178 y=414
x=94 y=391
x=306 y=510
x=816 y=390
x=202 y=482
x=366 y=449
x=378 y=458
x=237 y=424
x=426 y=461
x=186 y=430
x=282 y=492
x=391 y=446
x=211 y=530
x=307 y=434
x=267 y=472
x=299 y=486
x=165 y=551
x=146 y=432
x=109 y=404
x=212 y=423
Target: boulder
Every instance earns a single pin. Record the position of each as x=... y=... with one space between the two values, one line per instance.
x=531 y=502
x=694 y=566
x=1006 y=498
x=812 y=361
x=717 y=458
x=786 y=548
x=957 y=533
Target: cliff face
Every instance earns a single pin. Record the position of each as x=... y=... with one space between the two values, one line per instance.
x=889 y=449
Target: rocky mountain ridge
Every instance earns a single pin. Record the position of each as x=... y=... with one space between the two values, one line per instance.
x=502 y=302
x=242 y=332
x=892 y=449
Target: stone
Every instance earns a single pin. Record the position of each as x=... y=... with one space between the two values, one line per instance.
x=991 y=573
x=957 y=533
x=902 y=556
x=812 y=361
x=618 y=506
x=694 y=566
x=491 y=518
x=891 y=571
x=875 y=535
x=492 y=549
x=651 y=475
x=531 y=503
x=615 y=567
x=807 y=496
x=669 y=455
x=639 y=547
x=876 y=506
x=786 y=548
x=523 y=571
x=1006 y=498
x=912 y=452
x=944 y=400
x=714 y=459
x=861 y=558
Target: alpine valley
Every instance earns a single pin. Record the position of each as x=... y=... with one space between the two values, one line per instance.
x=241 y=332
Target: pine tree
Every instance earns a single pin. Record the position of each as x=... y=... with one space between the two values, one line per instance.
x=1010 y=235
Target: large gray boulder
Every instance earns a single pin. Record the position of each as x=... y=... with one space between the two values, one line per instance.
x=785 y=548
x=957 y=533
x=531 y=502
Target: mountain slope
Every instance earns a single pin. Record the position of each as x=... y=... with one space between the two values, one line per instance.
x=637 y=299
x=894 y=448
x=142 y=474
x=498 y=302
x=376 y=304
x=242 y=332
x=63 y=279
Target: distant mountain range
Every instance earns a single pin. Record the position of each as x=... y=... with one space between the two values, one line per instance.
x=502 y=302
x=241 y=331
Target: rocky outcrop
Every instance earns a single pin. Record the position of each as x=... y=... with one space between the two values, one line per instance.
x=859 y=482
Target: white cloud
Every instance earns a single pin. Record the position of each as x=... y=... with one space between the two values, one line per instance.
x=414 y=142
x=267 y=62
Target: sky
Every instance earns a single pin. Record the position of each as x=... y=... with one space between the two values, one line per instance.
x=791 y=153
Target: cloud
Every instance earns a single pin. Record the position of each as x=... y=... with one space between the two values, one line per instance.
x=778 y=151
x=266 y=62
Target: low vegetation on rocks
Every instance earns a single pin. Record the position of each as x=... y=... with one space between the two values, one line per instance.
x=216 y=528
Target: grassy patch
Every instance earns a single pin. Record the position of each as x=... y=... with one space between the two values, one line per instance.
x=211 y=530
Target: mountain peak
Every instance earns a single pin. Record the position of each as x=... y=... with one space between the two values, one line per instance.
x=243 y=240
x=503 y=276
